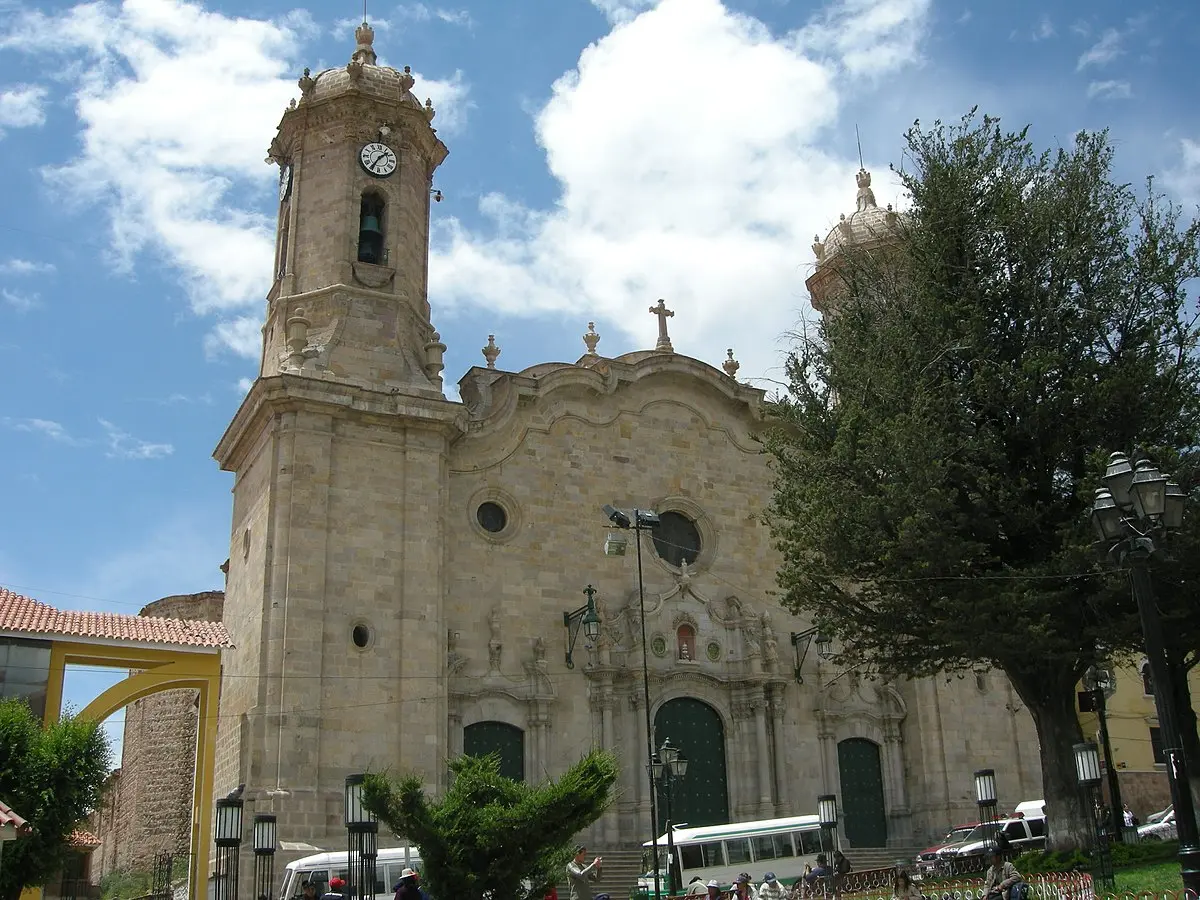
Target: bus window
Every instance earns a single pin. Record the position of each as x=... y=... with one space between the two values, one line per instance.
x=783 y=845
x=764 y=847
x=712 y=854
x=808 y=842
x=690 y=855
x=737 y=851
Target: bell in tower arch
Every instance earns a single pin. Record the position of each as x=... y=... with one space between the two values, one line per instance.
x=370 y=230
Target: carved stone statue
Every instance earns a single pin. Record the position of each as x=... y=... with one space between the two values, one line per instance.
x=494 y=645
x=454 y=660
x=539 y=651
x=770 y=646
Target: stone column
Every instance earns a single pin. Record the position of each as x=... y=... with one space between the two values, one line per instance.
x=898 y=812
x=780 y=746
x=456 y=731
x=608 y=742
x=637 y=702
x=762 y=750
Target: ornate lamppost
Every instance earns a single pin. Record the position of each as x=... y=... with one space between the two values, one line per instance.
x=264 y=855
x=1138 y=506
x=827 y=817
x=362 y=832
x=637 y=521
x=800 y=643
x=1087 y=773
x=670 y=765
x=985 y=799
x=587 y=617
x=1098 y=682
x=227 y=835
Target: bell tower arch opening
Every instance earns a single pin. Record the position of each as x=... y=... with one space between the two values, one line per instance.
x=372 y=248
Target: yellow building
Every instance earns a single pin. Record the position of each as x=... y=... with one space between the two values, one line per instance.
x=1133 y=730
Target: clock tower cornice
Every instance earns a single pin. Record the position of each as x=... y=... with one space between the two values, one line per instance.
x=358 y=118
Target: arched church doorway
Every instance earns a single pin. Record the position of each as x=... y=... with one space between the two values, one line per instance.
x=484 y=738
x=863 y=813
x=702 y=797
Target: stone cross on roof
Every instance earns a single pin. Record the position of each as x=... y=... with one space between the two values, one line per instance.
x=664 y=339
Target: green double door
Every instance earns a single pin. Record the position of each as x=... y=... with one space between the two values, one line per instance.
x=701 y=797
x=864 y=818
x=506 y=741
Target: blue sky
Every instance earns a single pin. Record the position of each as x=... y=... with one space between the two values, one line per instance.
x=603 y=154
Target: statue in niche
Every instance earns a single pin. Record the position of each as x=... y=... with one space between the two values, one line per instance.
x=770 y=646
x=539 y=652
x=494 y=644
x=454 y=660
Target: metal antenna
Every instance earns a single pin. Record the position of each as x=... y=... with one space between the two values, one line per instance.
x=364 y=12
x=857 y=139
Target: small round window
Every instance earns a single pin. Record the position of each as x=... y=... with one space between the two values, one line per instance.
x=676 y=538
x=491 y=517
x=361 y=635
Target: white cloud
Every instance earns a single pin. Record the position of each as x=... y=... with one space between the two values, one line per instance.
x=122 y=445
x=1184 y=178
x=48 y=428
x=1044 y=29
x=21 y=301
x=244 y=384
x=22 y=106
x=618 y=11
x=680 y=185
x=25 y=267
x=176 y=107
x=868 y=37
x=1110 y=90
x=1103 y=51
x=419 y=12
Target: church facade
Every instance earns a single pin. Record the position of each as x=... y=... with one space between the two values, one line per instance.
x=400 y=563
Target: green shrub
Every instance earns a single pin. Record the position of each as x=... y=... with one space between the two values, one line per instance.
x=1037 y=861
x=1145 y=852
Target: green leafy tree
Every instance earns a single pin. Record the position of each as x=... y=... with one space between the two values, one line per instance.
x=53 y=777
x=945 y=426
x=488 y=833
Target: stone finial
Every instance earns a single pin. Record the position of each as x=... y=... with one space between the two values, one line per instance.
x=364 y=53
x=306 y=82
x=843 y=225
x=866 y=196
x=435 y=352
x=664 y=339
x=818 y=248
x=591 y=339
x=892 y=216
x=429 y=110
x=731 y=365
x=491 y=351
x=407 y=80
x=297 y=339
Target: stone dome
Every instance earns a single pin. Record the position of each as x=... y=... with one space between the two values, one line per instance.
x=363 y=76
x=867 y=225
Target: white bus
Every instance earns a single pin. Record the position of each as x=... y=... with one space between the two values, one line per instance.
x=722 y=852
x=319 y=868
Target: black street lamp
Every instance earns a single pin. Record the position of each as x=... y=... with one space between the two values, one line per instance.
x=800 y=643
x=827 y=818
x=1137 y=506
x=1097 y=682
x=985 y=799
x=264 y=856
x=669 y=766
x=362 y=831
x=585 y=616
x=1087 y=773
x=227 y=835
x=639 y=520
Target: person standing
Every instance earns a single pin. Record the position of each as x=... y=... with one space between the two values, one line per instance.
x=337 y=889
x=581 y=876
x=1127 y=816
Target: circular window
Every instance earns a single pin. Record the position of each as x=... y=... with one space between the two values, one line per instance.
x=361 y=635
x=676 y=539
x=491 y=517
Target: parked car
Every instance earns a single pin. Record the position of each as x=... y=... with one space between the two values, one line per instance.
x=928 y=862
x=1160 y=815
x=1162 y=830
x=1019 y=833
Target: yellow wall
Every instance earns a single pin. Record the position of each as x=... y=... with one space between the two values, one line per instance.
x=1131 y=714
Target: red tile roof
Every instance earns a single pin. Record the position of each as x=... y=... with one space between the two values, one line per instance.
x=24 y=615
x=8 y=817
x=83 y=840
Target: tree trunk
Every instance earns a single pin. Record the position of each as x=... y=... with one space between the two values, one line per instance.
x=1069 y=816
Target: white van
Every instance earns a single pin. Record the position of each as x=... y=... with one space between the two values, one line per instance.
x=319 y=868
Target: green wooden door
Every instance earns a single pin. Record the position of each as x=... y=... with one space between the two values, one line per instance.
x=508 y=741
x=863 y=815
x=701 y=797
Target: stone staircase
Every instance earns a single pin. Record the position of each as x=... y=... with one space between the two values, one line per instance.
x=879 y=857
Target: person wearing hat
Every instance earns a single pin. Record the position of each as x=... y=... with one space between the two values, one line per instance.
x=696 y=887
x=408 y=887
x=821 y=873
x=771 y=888
x=581 y=876
x=337 y=889
x=714 y=889
x=743 y=888
x=1000 y=876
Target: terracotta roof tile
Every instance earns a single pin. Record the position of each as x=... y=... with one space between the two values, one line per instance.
x=23 y=614
x=83 y=840
x=8 y=817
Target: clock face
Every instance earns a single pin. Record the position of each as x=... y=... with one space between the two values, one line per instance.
x=378 y=159
x=285 y=182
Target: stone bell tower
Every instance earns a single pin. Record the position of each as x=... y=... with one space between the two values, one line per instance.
x=356 y=157
x=336 y=577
